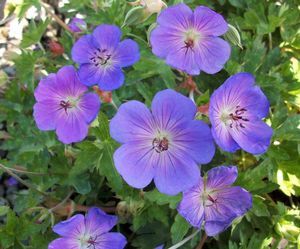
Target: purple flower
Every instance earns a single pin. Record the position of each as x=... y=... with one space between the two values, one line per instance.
x=77 y=25
x=11 y=181
x=164 y=145
x=214 y=202
x=89 y=232
x=63 y=105
x=189 y=41
x=236 y=109
x=101 y=56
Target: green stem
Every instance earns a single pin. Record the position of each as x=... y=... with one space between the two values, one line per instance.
x=62 y=202
x=28 y=185
x=185 y=240
x=137 y=37
x=27 y=172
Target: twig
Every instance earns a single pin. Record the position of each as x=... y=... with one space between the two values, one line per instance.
x=27 y=172
x=114 y=105
x=56 y=18
x=62 y=202
x=202 y=241
x=28 y=185
x=184 y=241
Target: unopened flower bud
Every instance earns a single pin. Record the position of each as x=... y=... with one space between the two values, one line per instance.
x=56 y=48
x=233 y=36
x=153 y=6
x=106 y=97
x=77 y=25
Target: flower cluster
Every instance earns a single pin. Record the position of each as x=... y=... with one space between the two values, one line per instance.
x=165 y=143
x=63 y=103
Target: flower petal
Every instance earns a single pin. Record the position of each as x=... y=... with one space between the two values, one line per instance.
x=175 y=172
x=77 y=24
x=222 y=137
x=111 y=241
x=136 y=161
x=89 y=105
x=45 y=115
x=208 y=22
x=47 y=89
x=127 y=53
x=69 y=83
x=191 y=207
x=98 y=222
x=164 y=39
x=133 y=122
x=111 y=78
x=178 y=16
x=170 y=108
x=83 y=49
x=65 y=243
x=255 y=137
x=70 y=228
x=71 y=127
x=228 y=94
x=107 y=36
x=183 y=59
x=231 y=203
x=236 y=198
x=213 y=228
x=255 y=101
x=89 y=74
x=211 y=54
x=196 y=140
x=222 y=176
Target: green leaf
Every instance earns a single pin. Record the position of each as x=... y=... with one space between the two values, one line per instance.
x=107 y=168
x=34 y=34
x=179 y=229
x=259 y=207
x=162 y=199
x=87 y=157
x=81 y=183
x=289 y=130
x=103 y=127
x=4 y=210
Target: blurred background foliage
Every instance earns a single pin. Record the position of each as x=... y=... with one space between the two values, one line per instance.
x=55 y=180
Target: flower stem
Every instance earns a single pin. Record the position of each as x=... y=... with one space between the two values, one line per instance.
x=28 y=185
x=61 y=203
x=21 y=171
x=202 y=241
x=185 y=240
x=56 y=18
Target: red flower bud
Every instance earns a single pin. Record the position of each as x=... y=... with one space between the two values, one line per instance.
x=56 y=48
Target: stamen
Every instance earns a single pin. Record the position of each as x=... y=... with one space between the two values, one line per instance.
x=237 y=118
x=100 y=57
x=160 y=145
x=92 y=242
x=65 y=105
x=189 y=44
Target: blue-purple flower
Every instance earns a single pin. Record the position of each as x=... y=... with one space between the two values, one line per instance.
x=88 y=232
x=64 y=105
x=77 y=25
x=236 y=111
x=165 y=145
x=11 y=181
x=102 y=56
x=214 y=202
x=189 y=40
